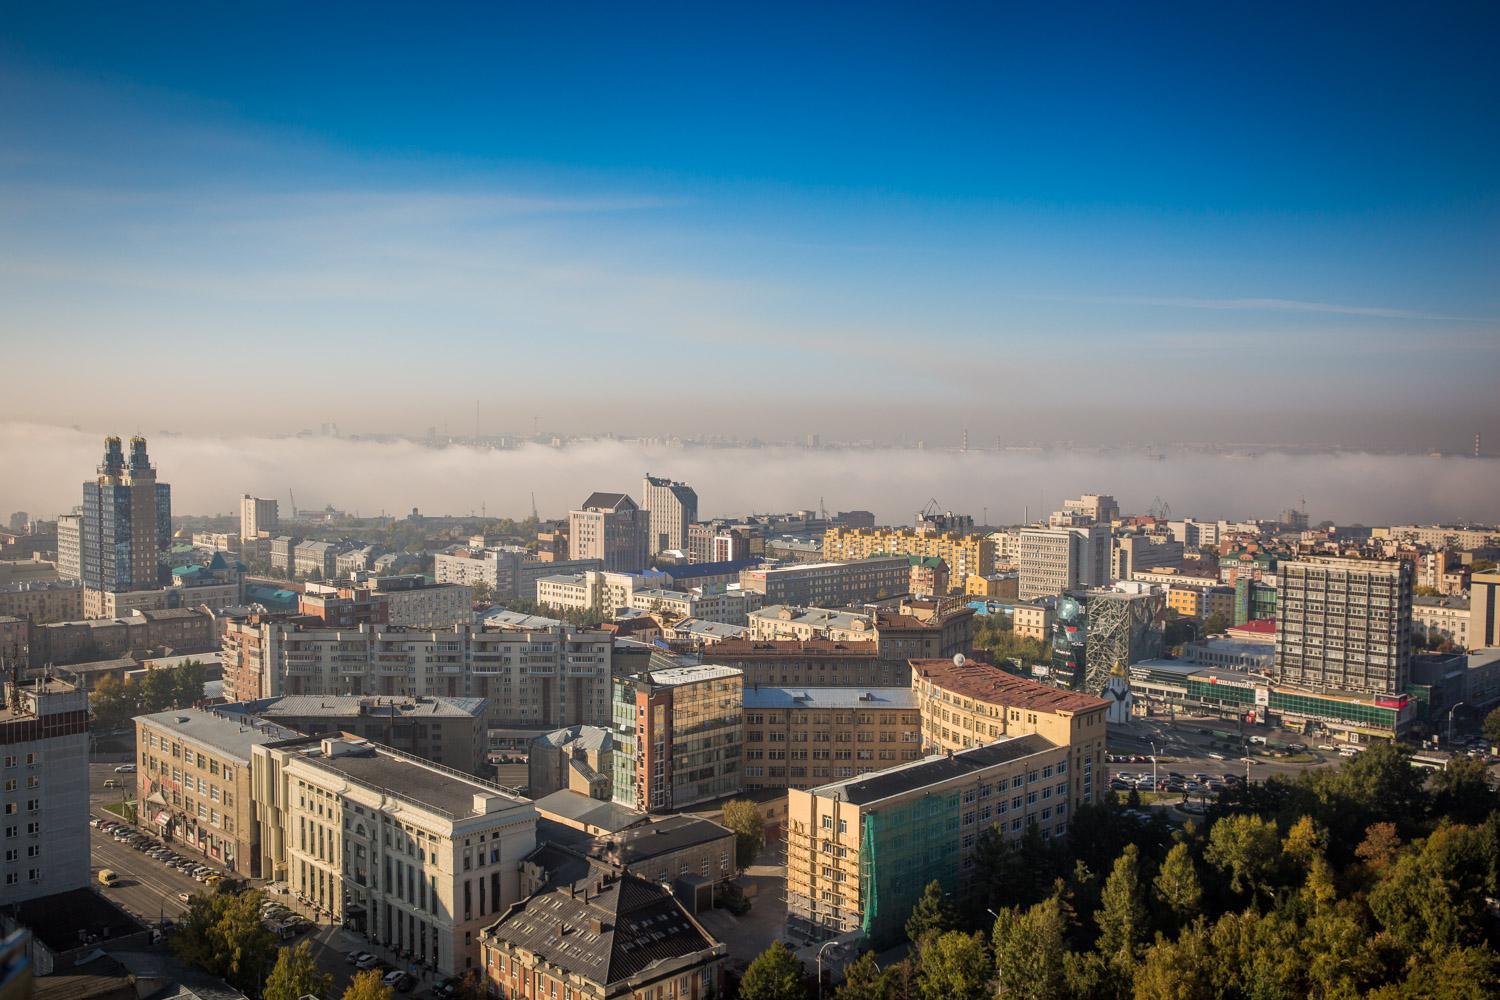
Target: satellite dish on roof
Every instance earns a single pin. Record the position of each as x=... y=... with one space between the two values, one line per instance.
x=958 y=659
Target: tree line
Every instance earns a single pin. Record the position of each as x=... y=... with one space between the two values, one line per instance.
x=1365 y=881
x=116 y=702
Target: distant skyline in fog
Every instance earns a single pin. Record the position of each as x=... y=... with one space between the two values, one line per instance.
x=1131 y=226
x=208 y=474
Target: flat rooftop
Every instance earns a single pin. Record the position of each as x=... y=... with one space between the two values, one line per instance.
x=232 y=735
x=380 y=769
x=355 y=706
x=989 y=683
x=933 y=770
x=853 y=698
x=675 y=676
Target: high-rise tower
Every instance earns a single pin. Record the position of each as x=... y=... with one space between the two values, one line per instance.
x=126 y=521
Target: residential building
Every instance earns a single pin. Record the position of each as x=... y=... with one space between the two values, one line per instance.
x=811 y=662
x=611 y=528
x=411 y=600
x=672 y=849
x=1099 y=508
x=126 y=520
x=183 y=630
x=1054 y=561
x=316 y=560
x=798 y=737
x=1003 y=587
x=731 y=606
x=697 y=634
x=678 y=733
x=669 y=508
x=194 y=782
x=1484 y=610
x=776 y=622
x=861 y=851
x=604 y=937
x=540 y=678
x=967 y=703
x=257 y=516
x=70 y=547
x=1344 y=624
x=213 y=596
x=578 y=758
x=724 y=541
x=794 y=550
x=283 y=553
x=1131 y=554
x=44 y=789
x=918 y=628
x=928 y=576
x=963 y=553
x=1033 y=620
x=594 y=590
x=1441 y=618
x=508 y=572
x=406 y=851
x=831 y=584
x=42 y=600
x=1195 y=535
x=1443 y=536
x=15 y=637
x=447 y=731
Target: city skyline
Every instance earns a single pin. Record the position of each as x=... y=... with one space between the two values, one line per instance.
x=1086 y=213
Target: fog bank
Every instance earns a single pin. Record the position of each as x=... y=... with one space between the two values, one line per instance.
x=44 y=467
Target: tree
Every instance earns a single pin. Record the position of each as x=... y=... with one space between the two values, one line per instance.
x=1490 y=728
x=1305 y=842
x=158 y=690
x=776 y=974
x=1246 y=848
x=1122 y=907
x=114 y=701
x=1380 y=848
x=187 y=683
x=1461 y=791
x=1214 y=624
x=953 y=965
x=749 y=828
x=1434 y=895
x=296 y=974
x=222 y=935
x=1177 y=884
x=367 y=985
x=864 y=979
x=932 y=914
x=1178 y=970
x=1030 y=952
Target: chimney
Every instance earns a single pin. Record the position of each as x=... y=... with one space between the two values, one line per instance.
x=596 y=925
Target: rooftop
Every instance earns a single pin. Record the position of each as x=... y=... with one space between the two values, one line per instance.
x=579 y=808
x=989 y=683
x=354 y=706
x=382 y=769
x=232 y=735
x=604 y=930
x=676 y=676
x=671 y=833
x=933 y=770
x=701 y=626
x=820 y=617
x=829 y=697
x=691 y=570
x=607 y=501
x=517 y=620
x=746 y=647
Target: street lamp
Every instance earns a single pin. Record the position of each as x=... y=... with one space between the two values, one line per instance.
x=1450 y=721
x=831 y=942
x=1153 y=767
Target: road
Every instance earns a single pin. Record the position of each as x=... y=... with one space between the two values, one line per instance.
x=1181 y=744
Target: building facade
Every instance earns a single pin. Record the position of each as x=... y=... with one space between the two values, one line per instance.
x=400 y=849
x=678 y=734
x=964 y=554
x=611 y=528
x=44 y=789
x=1053 y=561
x=257 y=515
x=806 y=736
x=830 y=584
x=1344 y=624
x=669 y=507
x=70 y=546
x=42 y=600
x=126 y=520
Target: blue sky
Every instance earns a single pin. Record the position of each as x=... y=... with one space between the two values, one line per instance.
x=1027 y=224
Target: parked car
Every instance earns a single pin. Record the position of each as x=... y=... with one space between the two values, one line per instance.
x=184 y=896
x=125 y=769
x=353 y=957
x=366 y=961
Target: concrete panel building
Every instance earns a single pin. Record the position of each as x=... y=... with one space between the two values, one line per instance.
x=1056 y=560
x=799 y=737
x=1344 y=624
x=257 y=515
x=42 y=600
x=964 y=554
x=830 y=584
x=44 y=790
x=509 y=572
x=670 y=507
x=70 y=546
x=611 y=528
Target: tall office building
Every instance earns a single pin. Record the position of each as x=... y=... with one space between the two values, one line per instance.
x=126 y=521
x=44 y=740
x=670 y=507
x=1344 y=624
x=256 y=515
x=1100 y=508
x=611 y=528
x=70 y=546
x=1484 y=627
x=1056 y=560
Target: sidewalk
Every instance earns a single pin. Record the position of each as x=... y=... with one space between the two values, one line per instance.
x=346 y=940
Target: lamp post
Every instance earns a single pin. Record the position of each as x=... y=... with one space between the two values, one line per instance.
x=1153 y=767
x=1450 y=721
x=831 y=942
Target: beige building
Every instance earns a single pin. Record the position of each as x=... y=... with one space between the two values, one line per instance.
x=43 y=600
x=830 y=584
x=1100 y=508
x=1442 y=536
x=861 y=851
x=806 y=736
x=1484 y=616
x=811 y=663
x=1344 y=624
x=402 y=850
x=194 y=782
x=257 y=516
x=111 y=604
x=969 y=704
x=964 y=554
x=669 y=508
x=996 y=586
x=578 y=758
x=917 y=628
x=411 y=600
x=1441 y=618
x=611 y=528
x=1032 y=621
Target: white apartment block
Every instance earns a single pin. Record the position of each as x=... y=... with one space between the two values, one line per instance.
x=44 y=790
x=1055 y=560
x=70 y=546
x=257 y=514
x=531 y=678
x=407 y=852
x=730 y=606
x=427 y=606
x=510 y=572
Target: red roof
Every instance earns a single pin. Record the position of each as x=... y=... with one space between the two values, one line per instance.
x=1258 y=626
x=989 y=683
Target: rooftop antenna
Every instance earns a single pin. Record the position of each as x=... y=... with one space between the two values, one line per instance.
x=534 y=516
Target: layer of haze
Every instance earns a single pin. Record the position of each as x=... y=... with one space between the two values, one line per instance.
x=208 y=474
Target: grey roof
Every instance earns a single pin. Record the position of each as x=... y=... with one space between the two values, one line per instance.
x=665 y=836
x=639 y=924
x=517 y=619
x=580 y=808
x=607 y=501
x=934 y=769
x=563 y=864
x=829 y=697
x=354 y=706
x=441 y=788
x=232 y=735
x=819 y=617
x=677 y=675
x=579 y=737
x=100 y=666
x=700 y=626
x=180 y=980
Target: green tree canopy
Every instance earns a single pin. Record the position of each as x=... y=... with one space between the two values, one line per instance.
x=1490 y=729
x=1177 y=885
x=776 y=974
x=749 y=828
x=932 y=914
x=1247 y=849
x=1030 y=952
x=367 y=985
x=296 y=974
x=1122 y=916
x=864 y=979
x=953 y=965
x=222 y=935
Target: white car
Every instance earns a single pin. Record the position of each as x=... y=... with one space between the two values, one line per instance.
x=125 y=769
